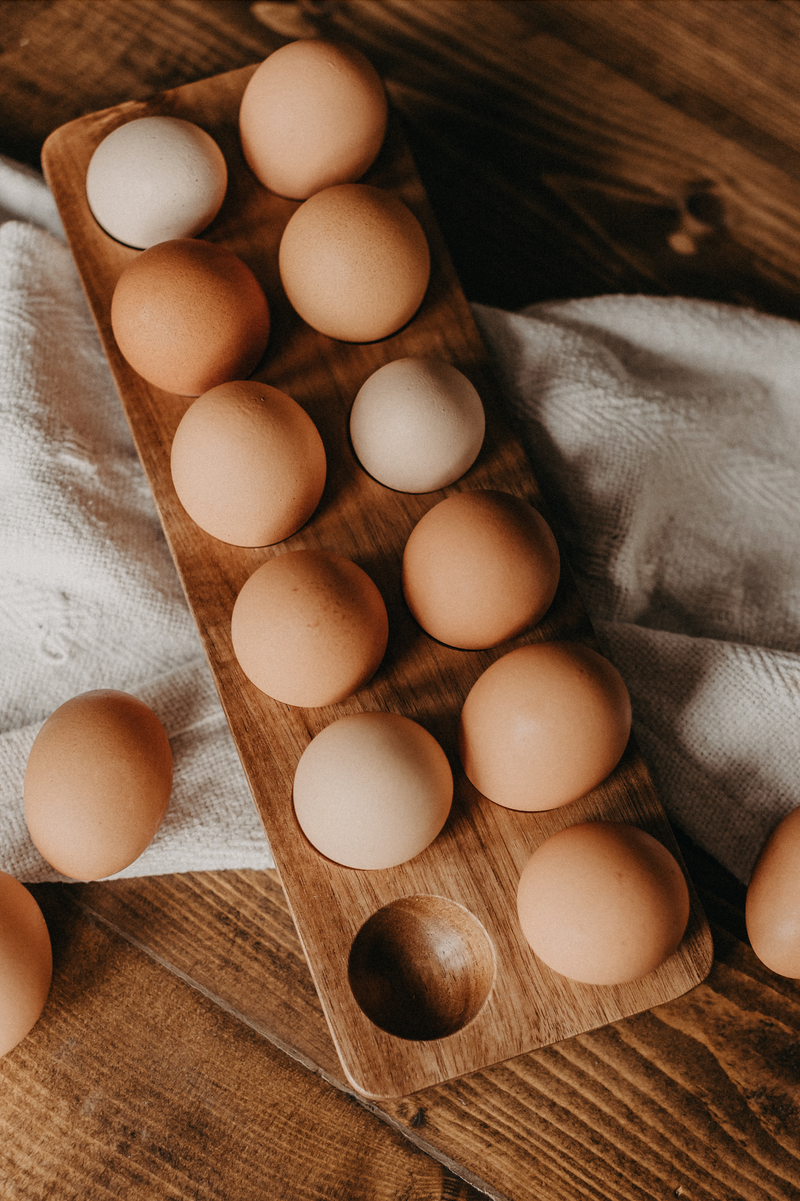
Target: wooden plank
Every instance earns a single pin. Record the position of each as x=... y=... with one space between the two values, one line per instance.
x=464 y=78
x=476 y=860
x=698 y=1094
x=134 y=1085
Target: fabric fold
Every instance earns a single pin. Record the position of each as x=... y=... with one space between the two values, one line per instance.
x=663 y=432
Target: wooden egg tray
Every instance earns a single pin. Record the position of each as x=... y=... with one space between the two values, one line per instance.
x=431 y=949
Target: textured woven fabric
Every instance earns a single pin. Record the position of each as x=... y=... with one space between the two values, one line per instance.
x=665 y=435
x=89 y=596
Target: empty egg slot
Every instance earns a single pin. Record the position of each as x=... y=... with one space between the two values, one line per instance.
x=421 y=968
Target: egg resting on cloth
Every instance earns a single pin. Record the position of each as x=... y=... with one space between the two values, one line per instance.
x=665 y=436
x=89 y=595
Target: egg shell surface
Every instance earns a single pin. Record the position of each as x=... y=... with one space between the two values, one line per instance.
x=26 y=962
x=154 y=179
x=97 y=783
x=417 y=424
x=188 y=315
x=313 y=114
x=772 y=908
x=309 y=628
x=248 y=463
x=372 y=790
x=603 y=902
x=479 y=568
x=354 y=262
x=543 y=725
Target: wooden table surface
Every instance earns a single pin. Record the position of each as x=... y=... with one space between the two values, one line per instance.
x=568 y=148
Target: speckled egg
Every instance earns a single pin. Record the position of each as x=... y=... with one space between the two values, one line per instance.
x=248 y=463
x=188 y=315
x=313 y=114
x=309 y=627
x=354 y=262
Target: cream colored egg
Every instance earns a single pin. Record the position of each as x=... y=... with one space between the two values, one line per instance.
x=354 y=262
x=248 y=463
x=417 y=424
x=372 y=790
x=309 y=628
x=603 y=902
x=313 y=114
x=154 y=179
x=26 y=962
x=543 y=725
x=97 y=783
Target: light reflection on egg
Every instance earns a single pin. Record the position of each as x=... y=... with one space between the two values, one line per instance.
x=480 y=568
x=603 y=902
x=354 y=262
x=543 y=725
x=372 y=790
x=97 y=783
x=309 y=628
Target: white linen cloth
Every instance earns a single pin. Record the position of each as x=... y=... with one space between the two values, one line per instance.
x=665 y=434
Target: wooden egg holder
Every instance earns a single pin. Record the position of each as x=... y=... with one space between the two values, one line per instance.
x=421 y=969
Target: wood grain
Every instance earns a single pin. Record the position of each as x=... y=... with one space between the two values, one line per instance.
x=135 y=1084
x=696 y=1099
x=475 y=863
x=699 y=1094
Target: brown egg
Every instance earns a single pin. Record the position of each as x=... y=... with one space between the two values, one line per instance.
x=248 y=463
x=772 y=910
x=188 y=315
x=354 y=262
x=313 y=114
x=479 y=568
x=372 y=790
x=543 y=725
x=26 y=962
x=309 y=628
x=603 y=902
x=97 y=783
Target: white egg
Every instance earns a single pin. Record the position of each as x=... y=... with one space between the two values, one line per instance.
x=372 y=790
x=155 y=179
x=417 y=424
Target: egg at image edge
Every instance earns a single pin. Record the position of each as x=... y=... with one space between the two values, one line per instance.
x=26 y=962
